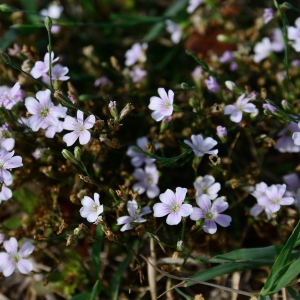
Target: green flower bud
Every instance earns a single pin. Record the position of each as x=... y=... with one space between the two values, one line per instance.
x=77 y=153
x=69 y=156
x=48 y=23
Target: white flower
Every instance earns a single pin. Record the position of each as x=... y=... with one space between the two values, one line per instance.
x=236 y=110
x=135 y=215
x=163 y=106
x=136 y=54
x=207 y=186
x=15 y=259
x=202 y=146
x=91 y=209
x=175 y=31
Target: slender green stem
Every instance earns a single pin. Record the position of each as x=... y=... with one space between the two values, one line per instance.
x=285 y=39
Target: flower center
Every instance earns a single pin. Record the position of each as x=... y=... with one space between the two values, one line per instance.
x=45 y=112
x=80 y=128
x=149 y=181
x=209 y=215
x=175 y=208
x=95 y=207
x=16 y=258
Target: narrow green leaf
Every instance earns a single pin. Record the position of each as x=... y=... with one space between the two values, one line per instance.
x=228 y=268
x=12 y=223
x=282 y=260
x=26 y=199
x=293 y=293
x=290 y=272
x=118 y=276
x=261 y=297
x=95 y=290
x=270 y=252
x=8 y=38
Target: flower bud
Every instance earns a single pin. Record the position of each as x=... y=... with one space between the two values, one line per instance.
x=230 y=84
x=112 y=106
x=184 y=86
x=77 y=231
x=179 y=246
x=77 y=153
x=286 y=105
x=222 y=133
x=48 y=23
x=69 y=156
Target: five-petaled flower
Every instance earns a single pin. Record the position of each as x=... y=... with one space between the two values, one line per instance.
x=15 y=259
x=202 y=146
x=91 y=209
x=10 y=97
x=236 y=110
x=211 y=213
x=135 y=215
x=273 y=198
x=207 y=186
x=162 y=106
x=138 y=158
x=8 y=161
x=80 y=128
x=172 y=205
x=147 y=181
x=42 y=67
x=44 y=112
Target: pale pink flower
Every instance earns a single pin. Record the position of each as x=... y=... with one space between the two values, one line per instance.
x=285 y=142
x=175 y=31
x=211 y=213
x=173 y=206
x=236 y=110
x=9 y=97
x=268 y=15
x=207 y=186
x=8 y=161
x=193 y=4
x=15 y=50
x=42 y=67
x=136 y=54
x=212 y=84
x=294 y=35
x=15 y=259
x=91 y=209
x=137 y=74
x=58 y=73
x=80 y=127
x=44 y=112
x=222 y=133
x=273 y=198
x=202 y=146
x=137 y=158
x=103 y=80
x=6 y=193
x=163 y=106
x=135 y=215
x=197 y=74
x=147 y=181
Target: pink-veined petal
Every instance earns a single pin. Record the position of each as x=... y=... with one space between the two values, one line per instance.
x=26 y=249
x=84 y=137
x=24 y=266
x=174 y=218
x=161 y=209
x=210 y=226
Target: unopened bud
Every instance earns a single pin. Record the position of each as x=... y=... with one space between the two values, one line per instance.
x=179 y=246
x=48 y=23
x=286 y=105
x=77 y=153
x=230 y=85
x=184 y=86
x=69 y=156
x=112 y=106
x=85 y=178
x=77 y=231
x=125 y=111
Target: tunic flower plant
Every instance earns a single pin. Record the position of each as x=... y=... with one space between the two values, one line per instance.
x=173 y=206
